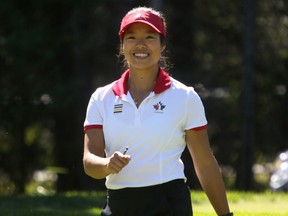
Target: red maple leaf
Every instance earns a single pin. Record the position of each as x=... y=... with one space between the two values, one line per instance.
x=156 y=106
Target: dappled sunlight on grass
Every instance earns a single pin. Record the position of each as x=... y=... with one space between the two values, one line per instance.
x=91 y=203
x=245 y=203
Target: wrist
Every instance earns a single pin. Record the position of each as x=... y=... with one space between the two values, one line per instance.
x=227 y=214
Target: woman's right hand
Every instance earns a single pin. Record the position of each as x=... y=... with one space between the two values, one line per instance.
x=117 y=162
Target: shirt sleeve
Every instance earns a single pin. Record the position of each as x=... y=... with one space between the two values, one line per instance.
x=93 y=114
x=195 y=112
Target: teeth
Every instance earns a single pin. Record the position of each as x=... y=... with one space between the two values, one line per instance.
x=141 y=55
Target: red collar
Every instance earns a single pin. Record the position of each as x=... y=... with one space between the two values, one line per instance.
x=163 y=83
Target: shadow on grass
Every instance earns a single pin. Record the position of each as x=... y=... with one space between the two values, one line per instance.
x=84 y=204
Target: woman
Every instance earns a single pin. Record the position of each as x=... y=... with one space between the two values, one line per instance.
x=137 y=127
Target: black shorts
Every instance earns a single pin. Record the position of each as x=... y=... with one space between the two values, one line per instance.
x=168 y=199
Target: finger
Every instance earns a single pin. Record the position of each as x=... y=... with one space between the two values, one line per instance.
x=113 y=167
x=124 y=159
x=117 y=162
x=121 y=157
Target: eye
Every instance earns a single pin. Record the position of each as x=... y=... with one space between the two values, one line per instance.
x=152 y=36
x=130 y=38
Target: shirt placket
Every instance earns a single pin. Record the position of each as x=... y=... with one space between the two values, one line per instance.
x=140 y=110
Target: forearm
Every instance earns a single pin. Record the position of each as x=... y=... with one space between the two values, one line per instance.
x=95 y=166
x=211 y=181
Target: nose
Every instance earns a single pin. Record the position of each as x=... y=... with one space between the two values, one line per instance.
x=141 y=43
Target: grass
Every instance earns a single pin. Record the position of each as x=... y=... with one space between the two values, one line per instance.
x=88 y=204
x=245 y=204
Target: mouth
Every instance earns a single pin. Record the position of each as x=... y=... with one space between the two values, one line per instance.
x=140 y=55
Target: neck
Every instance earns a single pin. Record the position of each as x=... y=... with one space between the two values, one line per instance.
x=142 y=80
x=141 y=84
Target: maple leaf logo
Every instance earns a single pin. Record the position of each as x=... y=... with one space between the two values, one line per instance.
x=159 y=105
x=156 y=106
x=162 y=106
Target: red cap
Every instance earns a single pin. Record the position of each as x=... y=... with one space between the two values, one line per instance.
x=147 y=17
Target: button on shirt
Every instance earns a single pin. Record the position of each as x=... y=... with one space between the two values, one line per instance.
x=154 y=132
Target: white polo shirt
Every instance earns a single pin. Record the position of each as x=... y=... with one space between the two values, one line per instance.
x=154 y=132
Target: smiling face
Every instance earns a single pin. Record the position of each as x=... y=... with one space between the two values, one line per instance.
x=142 y=46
